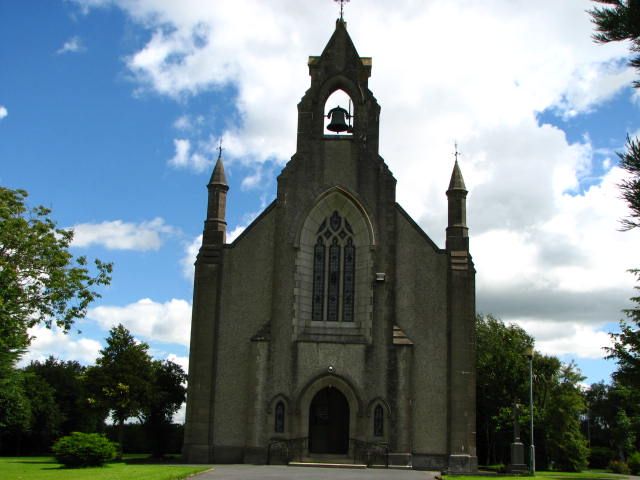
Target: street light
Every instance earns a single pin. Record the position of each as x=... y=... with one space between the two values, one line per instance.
x=532 y=452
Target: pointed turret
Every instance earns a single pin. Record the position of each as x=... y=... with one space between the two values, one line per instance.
x=457 y=231
x=218 y=177
x=215 y=226
x=457 y=182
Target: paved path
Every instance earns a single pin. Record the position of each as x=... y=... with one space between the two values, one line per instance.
x=283 y=472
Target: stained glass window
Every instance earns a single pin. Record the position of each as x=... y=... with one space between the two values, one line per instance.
x=349 y=284
x=334 y=274
x=318 y=281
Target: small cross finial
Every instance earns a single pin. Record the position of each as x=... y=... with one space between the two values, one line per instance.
x=220 y=149
x=342 y=2
x=457 y=153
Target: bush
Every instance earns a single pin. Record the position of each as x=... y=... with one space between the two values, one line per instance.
x=634 y=463
x=84 y=450
x=616 y=466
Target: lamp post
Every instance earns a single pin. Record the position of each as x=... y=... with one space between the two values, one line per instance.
x=532 y=451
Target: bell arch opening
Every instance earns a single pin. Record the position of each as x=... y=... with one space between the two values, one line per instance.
x=338 y=114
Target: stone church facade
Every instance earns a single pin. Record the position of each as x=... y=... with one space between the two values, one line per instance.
x=334 y=320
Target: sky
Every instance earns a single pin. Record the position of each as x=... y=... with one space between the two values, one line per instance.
x=111 y=112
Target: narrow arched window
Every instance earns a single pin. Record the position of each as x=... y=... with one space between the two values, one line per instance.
x=279 y=420
x=378 y=421
x=334 y=271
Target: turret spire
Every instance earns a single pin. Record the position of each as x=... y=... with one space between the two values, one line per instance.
x=457 y=231
x=215 y=226
x=457 y=182
x=218 y=177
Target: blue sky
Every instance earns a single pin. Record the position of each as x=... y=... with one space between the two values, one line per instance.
x=113 y=110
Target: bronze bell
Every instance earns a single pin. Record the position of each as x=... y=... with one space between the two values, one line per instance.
x=339 y=116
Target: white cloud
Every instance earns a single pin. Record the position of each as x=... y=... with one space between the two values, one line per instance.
x=567 y=338
x=188 y=122
x=543 y=247
x=73 y=45
x=54 y=342
x=190 y=253
x=185 y=159
x=119 y=235
x=182 y=361
x=254 y=180
x=192 y=248
x=168 y=322
x=3 y=112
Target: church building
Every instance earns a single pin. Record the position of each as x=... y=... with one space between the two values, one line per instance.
x=333 y=324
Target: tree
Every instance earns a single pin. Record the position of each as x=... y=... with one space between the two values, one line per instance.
x=620 y=21
x=626 y=346
x=166 y=396
x=39 y=281
x=69 y=394
x=502 y=380
x=121 y=379
x=565 y=444
x=46 y=418
x=15 y=410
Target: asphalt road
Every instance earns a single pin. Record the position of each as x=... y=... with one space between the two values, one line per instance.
x=283 y=472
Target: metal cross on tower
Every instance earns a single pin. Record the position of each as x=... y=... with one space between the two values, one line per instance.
x=220 y=149
x=342 y=2
x=457 y=153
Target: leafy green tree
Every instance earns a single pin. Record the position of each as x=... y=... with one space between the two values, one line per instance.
x=502 y=381
x=614 y=421
x=15 y=411
x=565 y=444
x=70 y=394
x=166 y=396
x=121 y=380
x=40 y=283
x=626 y=346
x=45 y=420
x=622 y=434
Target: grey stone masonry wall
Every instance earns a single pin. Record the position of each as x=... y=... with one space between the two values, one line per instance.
x=407 y=348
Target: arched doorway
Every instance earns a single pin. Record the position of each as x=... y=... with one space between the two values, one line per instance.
x=329 y=422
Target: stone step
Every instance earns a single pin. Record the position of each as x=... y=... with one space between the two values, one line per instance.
x=327 y=465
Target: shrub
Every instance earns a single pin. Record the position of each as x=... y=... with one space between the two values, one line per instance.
x=84 y=450
x=634 y=463
x=616 y=466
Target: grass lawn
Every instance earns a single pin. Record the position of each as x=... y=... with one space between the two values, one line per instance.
x=586 y=475
x=46 y=468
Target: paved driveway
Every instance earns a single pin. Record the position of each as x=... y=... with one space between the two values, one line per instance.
x=281 y=472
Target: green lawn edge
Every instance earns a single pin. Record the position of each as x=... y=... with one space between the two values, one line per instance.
x=46 y=468
x=586 y=475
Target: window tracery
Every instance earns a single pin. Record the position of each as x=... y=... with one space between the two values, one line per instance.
x=334 y=274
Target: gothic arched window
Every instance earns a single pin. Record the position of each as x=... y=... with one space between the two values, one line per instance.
x=378 y=421
x=279 y=420
x=334 y=271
